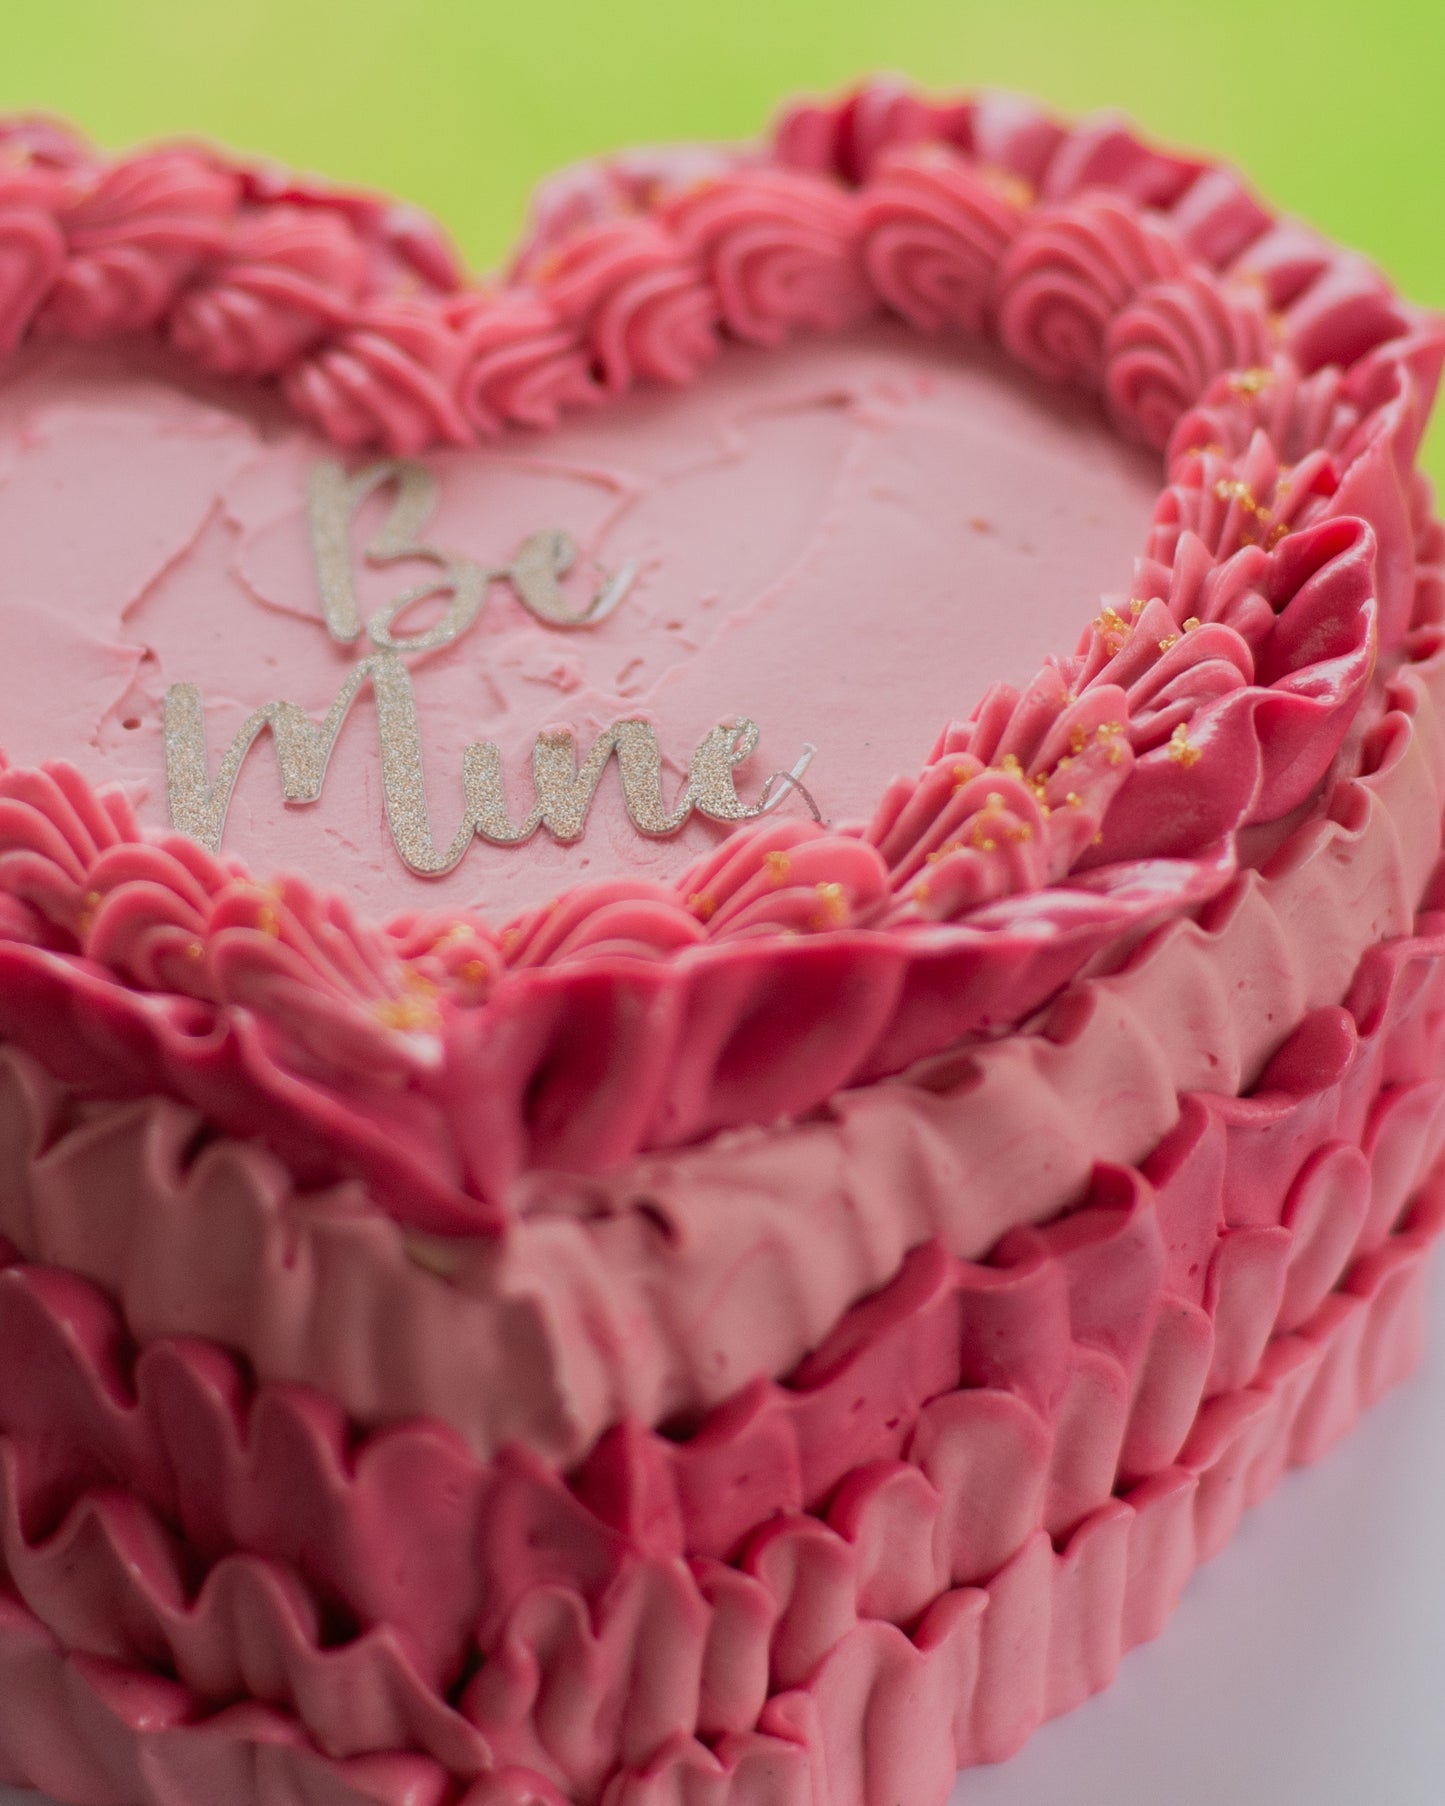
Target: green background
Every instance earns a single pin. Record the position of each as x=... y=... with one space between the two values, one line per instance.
x=1337 y=109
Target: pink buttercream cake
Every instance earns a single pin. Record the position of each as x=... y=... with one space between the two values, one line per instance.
x=721 y=1001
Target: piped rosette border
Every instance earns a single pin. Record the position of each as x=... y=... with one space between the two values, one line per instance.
x=992 y=1479
x=440 y=1058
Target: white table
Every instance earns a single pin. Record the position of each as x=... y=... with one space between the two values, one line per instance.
x=1305 y=1667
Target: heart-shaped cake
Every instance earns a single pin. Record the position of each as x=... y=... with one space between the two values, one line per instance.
x=719 y=968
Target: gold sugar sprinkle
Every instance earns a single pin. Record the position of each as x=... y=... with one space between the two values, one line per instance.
x=703 y=904
x=1180 y=750
x=1191 y=623
x=1170 y=639
x=407 y=1014
x=1252 y=381
x=268 y=922
x=778 y=866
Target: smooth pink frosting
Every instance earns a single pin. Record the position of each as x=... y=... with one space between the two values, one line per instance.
x=843 y=544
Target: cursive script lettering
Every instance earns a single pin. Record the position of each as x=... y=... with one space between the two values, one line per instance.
x=564 y=789
x=542 y=559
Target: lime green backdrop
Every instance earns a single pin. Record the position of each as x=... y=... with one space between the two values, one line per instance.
x=1337 y=109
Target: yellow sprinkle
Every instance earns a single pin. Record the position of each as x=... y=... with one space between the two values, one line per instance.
x=406 y=1013
x=1078 y=740
x=1106 y=730
x=1010 y=763
x=1180 y=750
x=703 y=905
x=474 y=972
x=1137 y=605
x=195 y=950
x=1276 y=533
x=1170 y=639
x=835 y=905
x=1234 y=489
x=1112 y=628
x=994 y=800
x=1074 y=800
x=1191 y=623
x=1251 y=382
x=1022 y=832
x=779 y=865
x=268 y=922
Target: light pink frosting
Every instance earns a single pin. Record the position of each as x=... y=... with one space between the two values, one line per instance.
x=843 y=544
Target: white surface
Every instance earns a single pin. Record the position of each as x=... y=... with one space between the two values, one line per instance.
x=1305 y=1665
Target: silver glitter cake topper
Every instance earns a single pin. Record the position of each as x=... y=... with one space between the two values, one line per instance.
x=563 y=789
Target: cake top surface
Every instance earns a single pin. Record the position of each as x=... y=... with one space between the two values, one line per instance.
x=847 y=544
